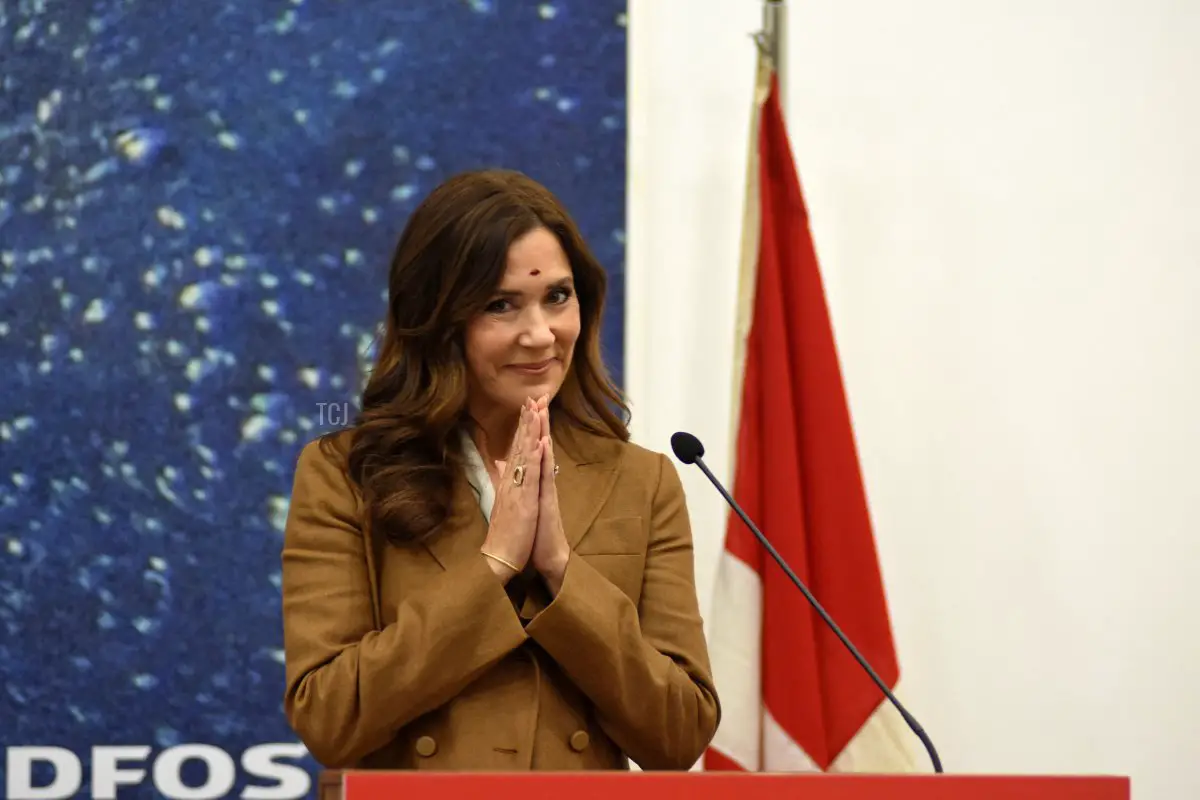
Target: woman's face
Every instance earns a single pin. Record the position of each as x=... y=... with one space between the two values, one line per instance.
x=521 y=345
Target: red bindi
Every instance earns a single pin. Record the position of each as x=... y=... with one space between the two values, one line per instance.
x=535 y=272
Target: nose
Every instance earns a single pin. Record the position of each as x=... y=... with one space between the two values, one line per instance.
x=536 y=334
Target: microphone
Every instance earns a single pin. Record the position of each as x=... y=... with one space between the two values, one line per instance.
x=689 y=450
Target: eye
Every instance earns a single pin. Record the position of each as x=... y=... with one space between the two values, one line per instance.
x=560 y=295
x=497 y=306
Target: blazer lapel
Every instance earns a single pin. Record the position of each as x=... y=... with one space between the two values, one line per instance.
x=587 y=473
x=464 y=532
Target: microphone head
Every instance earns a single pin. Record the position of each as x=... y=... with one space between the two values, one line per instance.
x=687 y=447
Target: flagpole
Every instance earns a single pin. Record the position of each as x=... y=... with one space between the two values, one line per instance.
x=768 y=42
x=771 y=39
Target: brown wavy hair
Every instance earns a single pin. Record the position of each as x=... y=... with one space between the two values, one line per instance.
x=404 y=446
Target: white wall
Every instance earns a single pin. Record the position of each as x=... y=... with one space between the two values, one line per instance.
x=1006 y=203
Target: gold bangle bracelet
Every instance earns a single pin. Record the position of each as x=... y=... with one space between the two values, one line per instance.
x=506 y=563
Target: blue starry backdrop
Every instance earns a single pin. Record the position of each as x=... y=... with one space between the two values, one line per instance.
x=198 y=202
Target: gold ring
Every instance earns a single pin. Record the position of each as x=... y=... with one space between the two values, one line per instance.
x=519 y=475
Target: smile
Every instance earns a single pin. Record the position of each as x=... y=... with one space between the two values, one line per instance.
x=533 y=368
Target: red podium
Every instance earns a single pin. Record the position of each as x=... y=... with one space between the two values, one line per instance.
x=712 y=786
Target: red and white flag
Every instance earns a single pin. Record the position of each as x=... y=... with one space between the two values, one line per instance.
x=793 y=698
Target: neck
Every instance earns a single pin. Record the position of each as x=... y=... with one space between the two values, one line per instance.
x=493 y=434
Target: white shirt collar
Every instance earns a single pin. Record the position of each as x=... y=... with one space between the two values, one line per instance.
x=478 y=477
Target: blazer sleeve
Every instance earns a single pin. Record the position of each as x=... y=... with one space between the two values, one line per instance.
x=645 y=667
x=351 y=686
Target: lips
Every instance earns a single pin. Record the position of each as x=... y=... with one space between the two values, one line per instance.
x=533 y=367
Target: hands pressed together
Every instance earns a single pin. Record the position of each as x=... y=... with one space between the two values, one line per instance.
x=526 y=526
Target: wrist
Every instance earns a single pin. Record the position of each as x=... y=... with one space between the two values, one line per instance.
x=504 y=568
x=555 y=569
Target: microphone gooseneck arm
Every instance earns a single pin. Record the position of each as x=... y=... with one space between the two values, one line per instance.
x=689 y=450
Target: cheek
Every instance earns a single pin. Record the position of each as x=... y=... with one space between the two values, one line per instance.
x=479 y=345
x=568 y=328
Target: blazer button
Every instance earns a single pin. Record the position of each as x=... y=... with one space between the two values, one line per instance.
x=426 y=746
x=579 y=741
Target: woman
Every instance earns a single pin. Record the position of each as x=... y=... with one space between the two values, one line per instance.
x=483 y=573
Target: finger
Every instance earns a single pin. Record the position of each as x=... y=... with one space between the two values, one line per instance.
x=518 y=436
x=529 y=433
x=508 y=466
x=533 y=431
x=547 y=465
x=533 y=469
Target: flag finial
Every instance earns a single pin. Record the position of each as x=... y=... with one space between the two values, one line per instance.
x=770 y=38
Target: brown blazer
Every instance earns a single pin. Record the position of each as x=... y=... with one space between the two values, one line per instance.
x=417 y=657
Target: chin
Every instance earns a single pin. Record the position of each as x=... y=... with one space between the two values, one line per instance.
x=535 y=389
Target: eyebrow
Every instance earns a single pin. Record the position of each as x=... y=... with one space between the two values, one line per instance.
x=563 y=283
